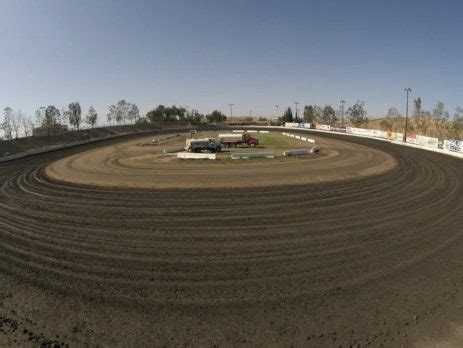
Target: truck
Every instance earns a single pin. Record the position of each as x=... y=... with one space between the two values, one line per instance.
x=205 y=144
x=234 y=139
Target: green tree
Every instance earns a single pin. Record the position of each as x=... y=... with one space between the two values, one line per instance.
x=194 y=118
x=75 y=114
x=393 y=112
x=133 y=112
x=328 y=115
x=439 y=111
x=309 y=114
x=417 y=103
x=216 y=117
x=288 y=115
x=51 y=116
x=91 y=117
x=357 y=114
x=156 y=115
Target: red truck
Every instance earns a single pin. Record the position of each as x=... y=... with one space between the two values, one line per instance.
x=235 y=139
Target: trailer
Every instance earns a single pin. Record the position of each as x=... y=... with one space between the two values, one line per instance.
x=234 y=139
x=205 y=144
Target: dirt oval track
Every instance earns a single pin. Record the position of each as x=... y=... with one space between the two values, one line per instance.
x=375 y=260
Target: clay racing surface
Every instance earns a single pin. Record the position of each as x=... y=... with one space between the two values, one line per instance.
x=369 y=260
x=130 y=165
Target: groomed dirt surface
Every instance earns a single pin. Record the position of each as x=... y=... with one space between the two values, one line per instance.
x=128 y=164
x=368 y=261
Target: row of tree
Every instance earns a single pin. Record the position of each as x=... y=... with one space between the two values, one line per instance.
x=435 y=122
x=179 y=114
x=356 y=114
x=15 y=122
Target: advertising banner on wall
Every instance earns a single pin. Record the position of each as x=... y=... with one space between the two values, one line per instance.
x=362 y=131
x=379 y=134
x=427 y=141
x=440 y=143
x=339 y=129
x=291 y=124
x=455 y=145
x=411 y=138
x=323 y=127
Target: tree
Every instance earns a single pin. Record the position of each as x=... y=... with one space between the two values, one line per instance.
x=122 y=109
x=16 y=118
x=328 y=115
x=357 y=114
x=417 y=103
x=64 y=116
x=75 y=114
x=156 y=115
x=393 y=112
x=6 y=124
x=458 y=115
x=439 y=111
x=111 y=114
x=27 y=125
x=309 y=114
x=91 y=117
x=51 y=116
x=194 y=118
x=288 y=115
x=133 y=112
x=216 y=117
x=39 y=115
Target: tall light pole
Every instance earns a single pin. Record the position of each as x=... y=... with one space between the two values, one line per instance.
x=407 y=90
x=342 y=112
x=231 y=111
x=296 y=103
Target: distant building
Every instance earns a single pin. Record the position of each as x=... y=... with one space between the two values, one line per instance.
x=46 y=131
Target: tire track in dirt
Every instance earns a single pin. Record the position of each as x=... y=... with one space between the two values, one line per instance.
x=226 y=246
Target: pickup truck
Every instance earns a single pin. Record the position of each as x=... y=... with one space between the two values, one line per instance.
x=233 y=140
x=205 y=144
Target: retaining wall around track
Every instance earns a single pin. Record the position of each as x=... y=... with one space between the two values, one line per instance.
x=447 y=146
x=192 y=155
x=446 y=150
x=247 y=155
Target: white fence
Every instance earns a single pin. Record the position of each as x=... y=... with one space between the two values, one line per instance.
x=451 y=147
x=192 y=155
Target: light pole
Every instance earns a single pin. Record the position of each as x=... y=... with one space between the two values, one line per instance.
x=342 y=112
x=407 y=90
x=231 y=111
x=296 y=104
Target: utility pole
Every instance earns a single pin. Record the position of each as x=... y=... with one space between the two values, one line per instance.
x=296 y=103
x=231 y=111
x=407 y=90
x=342 y=112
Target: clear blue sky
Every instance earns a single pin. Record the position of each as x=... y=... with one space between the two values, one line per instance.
x=206 y=54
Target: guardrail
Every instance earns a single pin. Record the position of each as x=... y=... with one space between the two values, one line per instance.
x=248 y=155
x=449 y=147
x=302 y=152
x=174 y=149
x=192 y=155
x=41 y=150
